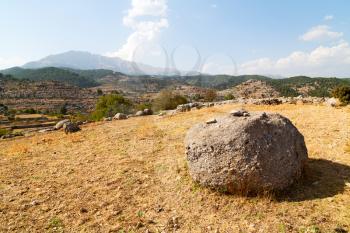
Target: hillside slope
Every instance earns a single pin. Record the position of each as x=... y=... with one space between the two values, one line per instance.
x=51 y=74
x=131 y=176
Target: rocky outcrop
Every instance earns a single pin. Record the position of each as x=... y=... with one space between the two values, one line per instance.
x=246 y=152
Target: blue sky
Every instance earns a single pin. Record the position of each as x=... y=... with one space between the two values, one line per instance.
x=232 y=36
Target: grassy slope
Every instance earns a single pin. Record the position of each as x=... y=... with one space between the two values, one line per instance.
x=131 y=175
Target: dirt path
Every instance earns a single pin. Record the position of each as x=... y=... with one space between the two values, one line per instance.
x=130 y=176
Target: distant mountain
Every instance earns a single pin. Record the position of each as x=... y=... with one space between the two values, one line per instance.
x=87 y=61
x=51 y=74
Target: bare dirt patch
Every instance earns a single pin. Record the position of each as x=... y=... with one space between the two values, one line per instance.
x=131 y=176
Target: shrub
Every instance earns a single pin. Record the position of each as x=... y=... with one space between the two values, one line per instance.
x=109 y=105
x=4 y=132
x=229 y=97
x=209 y=95
x=29 y=111
x=63 y=109
x=342 y=93
x=167 y=100
x=3 y=109
x=99 y=92
x=143 y=106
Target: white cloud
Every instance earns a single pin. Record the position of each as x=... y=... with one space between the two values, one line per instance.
x=328 y=17
x=322 y=61
x=10 y=62
x=147 y=18
x=321 y=32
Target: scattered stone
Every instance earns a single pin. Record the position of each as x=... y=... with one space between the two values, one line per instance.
x=107 y=119
x=139 y=113
x=83 y=210
x=332 y=102
x=173 y=223
x=147 y=112
x=212 y=121
x=268 y=102
x=120 y=116
x=258 y=153
x=60 y=124
x=162 y=114
x=46 y=130
x=71 y=127
x=239 y=113
x=35 y=202
x=340 y=230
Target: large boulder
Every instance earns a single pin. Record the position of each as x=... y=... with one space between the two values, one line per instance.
x=246 y=152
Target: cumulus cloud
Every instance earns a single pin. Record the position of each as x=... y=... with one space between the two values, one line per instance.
x=320 y=32
x=147 y=18
x=10 y=62
x=322 y=61
x=328 y=17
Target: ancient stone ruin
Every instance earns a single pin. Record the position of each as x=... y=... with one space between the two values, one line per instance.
x=246 y=152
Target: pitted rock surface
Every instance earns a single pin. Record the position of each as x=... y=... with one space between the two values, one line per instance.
x=246 y=153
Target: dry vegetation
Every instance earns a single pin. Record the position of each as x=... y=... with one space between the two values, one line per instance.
x=130 y=176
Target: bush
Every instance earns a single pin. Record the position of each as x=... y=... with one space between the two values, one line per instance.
x=167 y=100
x=209 y=95
x=29 y=111
x=229 y=97
x=342 y=93
x=63 y=109
x=143 y=106
x=3 y=109
x=109 y=105
x=99 y=92
x=4 y=132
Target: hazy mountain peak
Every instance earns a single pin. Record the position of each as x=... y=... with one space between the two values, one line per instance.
x=84 y=61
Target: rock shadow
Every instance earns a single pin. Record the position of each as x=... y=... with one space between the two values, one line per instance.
x=322 y=179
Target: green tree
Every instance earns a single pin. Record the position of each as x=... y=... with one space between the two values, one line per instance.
x=109 y=105
x=342 y=93
x=167 y=100
x=99 y=92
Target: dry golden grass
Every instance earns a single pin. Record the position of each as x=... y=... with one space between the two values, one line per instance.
x=130 y=176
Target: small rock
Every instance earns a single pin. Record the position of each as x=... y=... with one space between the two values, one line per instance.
x=147 y=112
x=340 y=230
x=60 y=124
x=71 y=127
x=315 y=183
x=212 y=121
x=239 y=113
x=83 y=210
x=107 y=119
x=120 y=116
x=35 y=202
x=139 y=113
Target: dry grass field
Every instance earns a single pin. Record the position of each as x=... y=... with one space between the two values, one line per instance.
x=131 y=176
